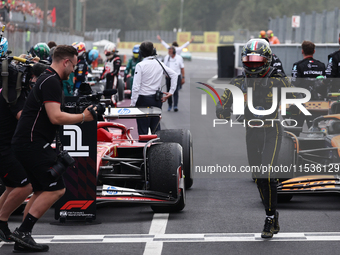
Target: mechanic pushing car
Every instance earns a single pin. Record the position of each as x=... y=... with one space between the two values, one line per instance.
x=111 y=66
x=131 y=65
x=263 y=139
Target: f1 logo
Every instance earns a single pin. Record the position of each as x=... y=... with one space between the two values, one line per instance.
x=81 y=204
x=76 y=149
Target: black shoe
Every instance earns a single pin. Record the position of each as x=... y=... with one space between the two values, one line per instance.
x=18 y=248
x=268 y=229
x=175 y=109
x=5 y=235
x=276 y=223
x=25 y=239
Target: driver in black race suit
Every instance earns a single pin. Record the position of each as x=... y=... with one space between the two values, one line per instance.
x=263 y=139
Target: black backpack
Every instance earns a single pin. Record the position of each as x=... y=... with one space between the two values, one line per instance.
x=14 y=78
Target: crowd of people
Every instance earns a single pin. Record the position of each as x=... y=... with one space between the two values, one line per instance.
x=25 y=7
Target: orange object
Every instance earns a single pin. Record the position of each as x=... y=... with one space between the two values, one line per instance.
x=262 y=34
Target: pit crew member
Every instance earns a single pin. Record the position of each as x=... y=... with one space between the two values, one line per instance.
x=333 y=70
x=304 y=75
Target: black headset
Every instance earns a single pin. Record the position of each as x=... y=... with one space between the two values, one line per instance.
x=142 y=52
x=173 y=50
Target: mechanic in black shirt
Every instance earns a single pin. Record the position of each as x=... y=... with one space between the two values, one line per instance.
x=333 y=70
x=36 y=130
x=263 y=139
x=12 y=172
x=304 y=75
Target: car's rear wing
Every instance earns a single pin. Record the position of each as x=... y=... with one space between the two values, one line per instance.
x=131 y=112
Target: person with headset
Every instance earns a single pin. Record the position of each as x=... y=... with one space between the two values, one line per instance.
x=272 y=39
x=263 y=138
x=263 y=34
x=175 y=62
x=175 y=44
x=147 y=86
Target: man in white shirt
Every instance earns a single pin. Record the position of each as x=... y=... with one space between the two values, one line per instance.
x=175 y=62
x=175 y=44
x=147 y=80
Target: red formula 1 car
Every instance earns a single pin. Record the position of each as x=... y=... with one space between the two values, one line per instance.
x=154 y=169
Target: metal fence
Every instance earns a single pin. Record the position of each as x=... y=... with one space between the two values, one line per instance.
x=240 y=36
x=316 y=27
x=18 y=43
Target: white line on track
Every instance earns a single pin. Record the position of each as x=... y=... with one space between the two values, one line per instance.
x=158 y=227
x=154 y=240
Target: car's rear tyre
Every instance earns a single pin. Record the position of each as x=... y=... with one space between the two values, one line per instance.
x=286 y=158
x=184 y=138
x=164 y=161
x=120 y=88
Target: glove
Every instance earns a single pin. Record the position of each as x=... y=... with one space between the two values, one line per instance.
x=222 y=113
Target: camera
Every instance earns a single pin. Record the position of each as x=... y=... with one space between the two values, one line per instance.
x=86 y=98
x=63 y=162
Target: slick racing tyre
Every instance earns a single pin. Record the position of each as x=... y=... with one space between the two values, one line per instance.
x=184 y=138
x=286 y=158
x=120 y=89
x=164 y=162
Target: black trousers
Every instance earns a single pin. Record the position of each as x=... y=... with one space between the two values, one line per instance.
x=263 y=147
x=175 y=95
x=150 y=122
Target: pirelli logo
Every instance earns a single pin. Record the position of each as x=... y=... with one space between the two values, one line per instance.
x=81 y=204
